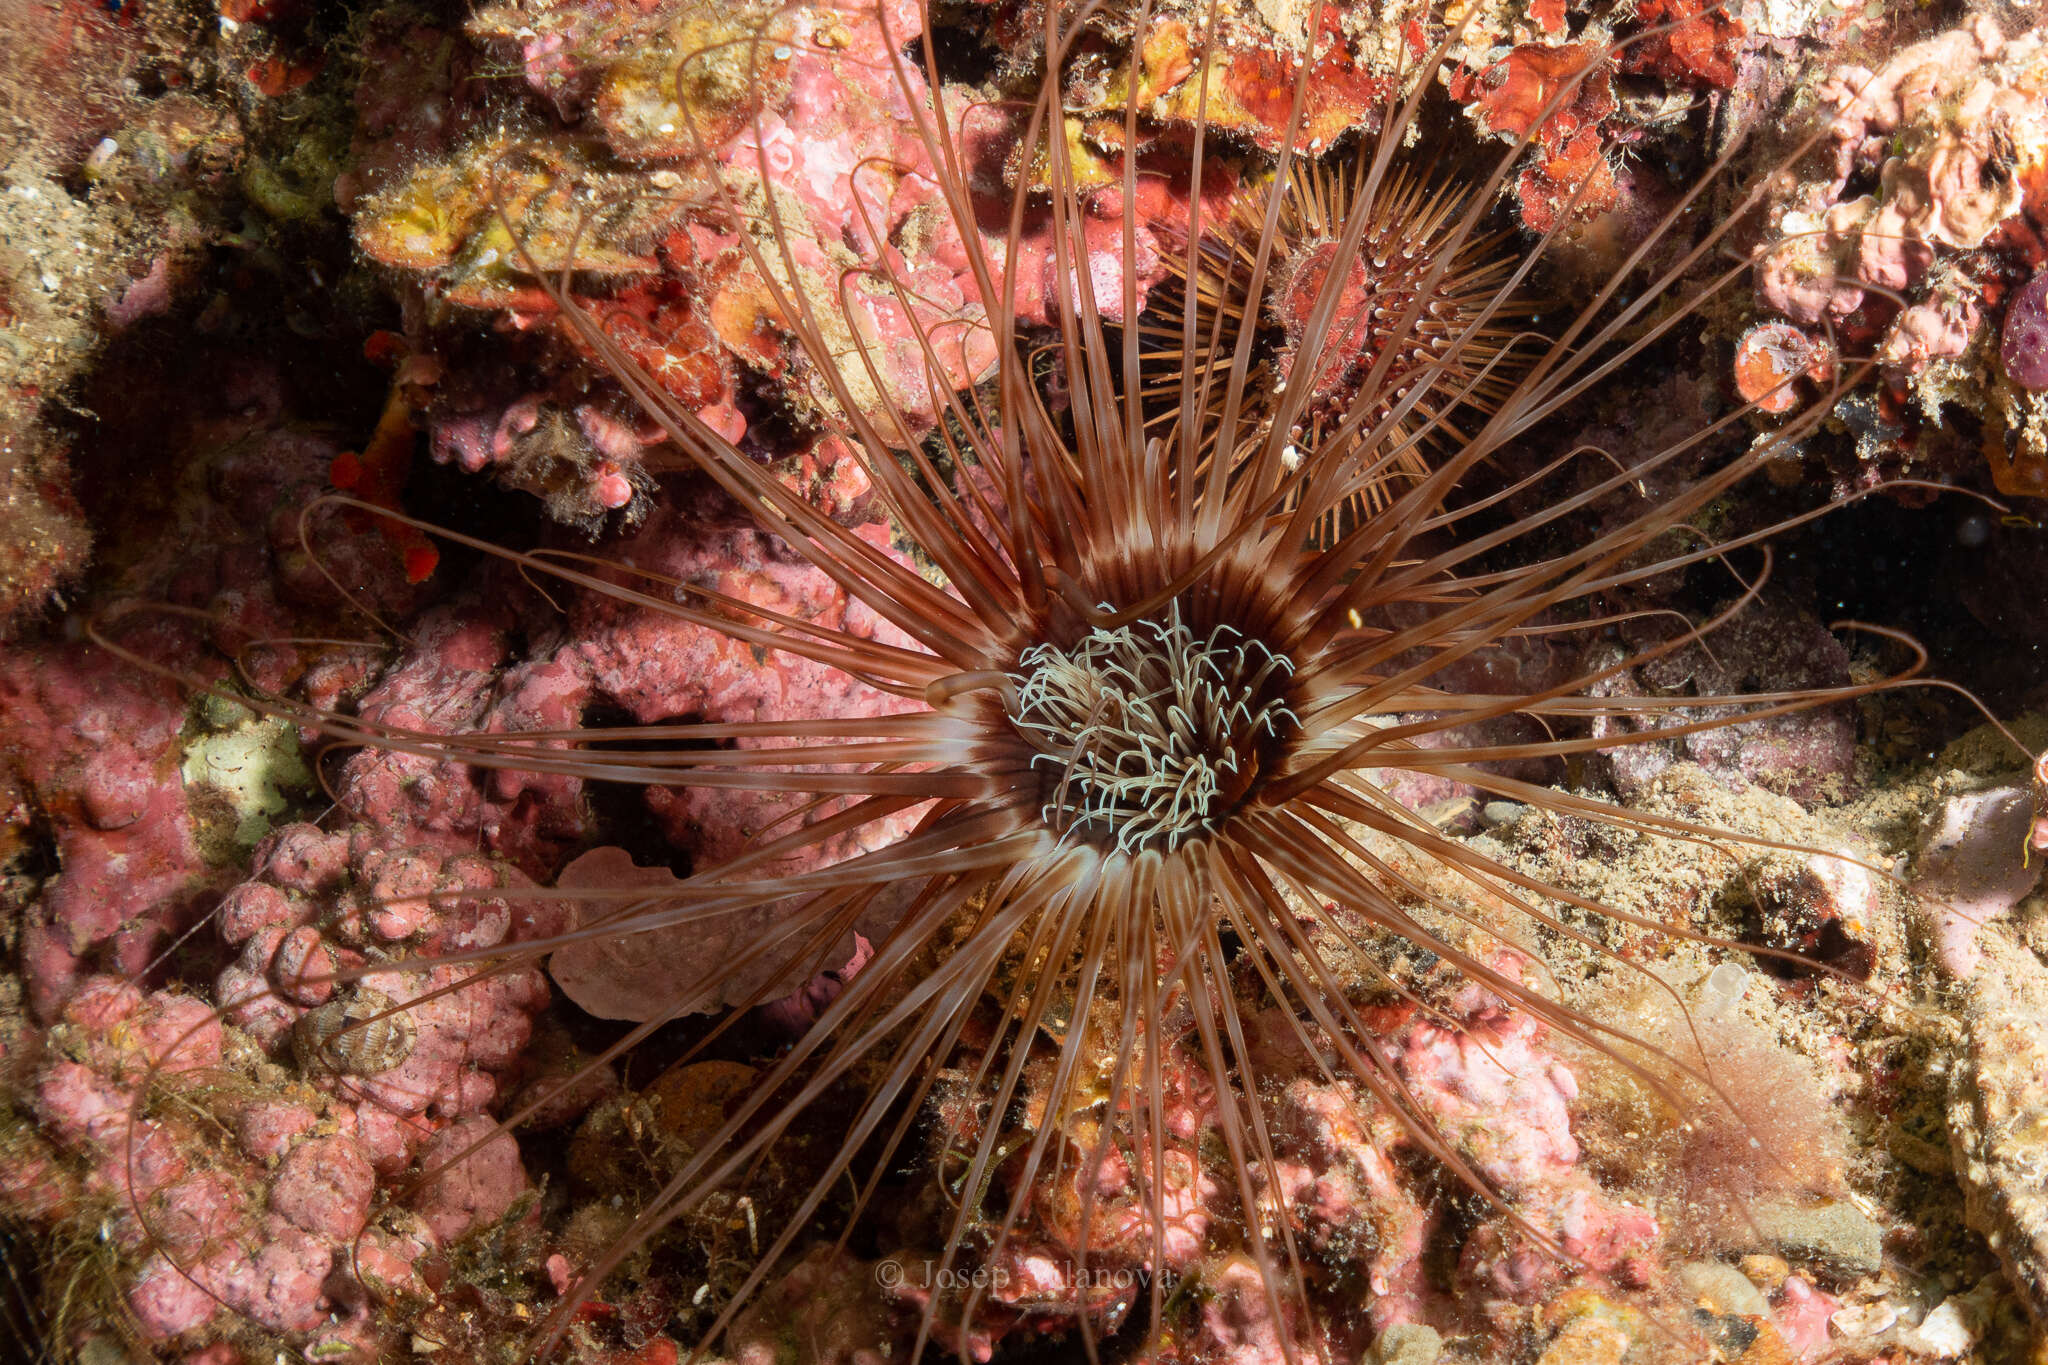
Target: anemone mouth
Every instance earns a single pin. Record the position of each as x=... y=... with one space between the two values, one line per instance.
x=1150 y=734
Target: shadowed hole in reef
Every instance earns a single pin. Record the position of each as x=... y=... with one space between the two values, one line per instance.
x=1890 y=564
x=446 y=496
x=960 y=37
x=621 y=814
x=1124 y=1345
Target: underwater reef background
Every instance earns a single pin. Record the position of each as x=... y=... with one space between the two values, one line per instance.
x=256 y=251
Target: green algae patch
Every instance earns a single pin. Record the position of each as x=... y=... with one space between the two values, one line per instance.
x=240 y=770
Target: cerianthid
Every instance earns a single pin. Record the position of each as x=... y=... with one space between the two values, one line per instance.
x=1156 y=699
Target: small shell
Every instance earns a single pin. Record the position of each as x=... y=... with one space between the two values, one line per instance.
x=1864 y=1319
x=356 y=1035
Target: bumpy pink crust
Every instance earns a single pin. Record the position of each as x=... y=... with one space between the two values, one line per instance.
x=459 y=676
x=1340 y=1186
x=1952 y=130
x=1802 y=1314
x=91 y=748
x=657 y=668
x=190 y=1207
x=264 y=1214
x=477 y=1178
x=98 y=746
x=325 y=903
x=447 y=683
x=1347 y=1188
x=832 y=139
x=1502 y=1104
x=1239 y=1327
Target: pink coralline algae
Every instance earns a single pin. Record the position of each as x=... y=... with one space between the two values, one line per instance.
x=1802 y=1314
x=242 y=1205
x=198 y=1243
x=1344 y=1181
x=1504 y=1105
x=240 y=544
x=302 y=1202
x=655 y=667
x=631 y=659
x=480 y=1177
x=461 y=676
x=1239 y=1325
x=436 y=1041
x=1501 y=1103
x=98 y=749
x=1912 y=235
x=110 y=759
x=699 y=120
x=1338 y=1181
x=448 y=682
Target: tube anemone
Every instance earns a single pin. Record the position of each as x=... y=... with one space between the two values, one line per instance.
x=1154 y=704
